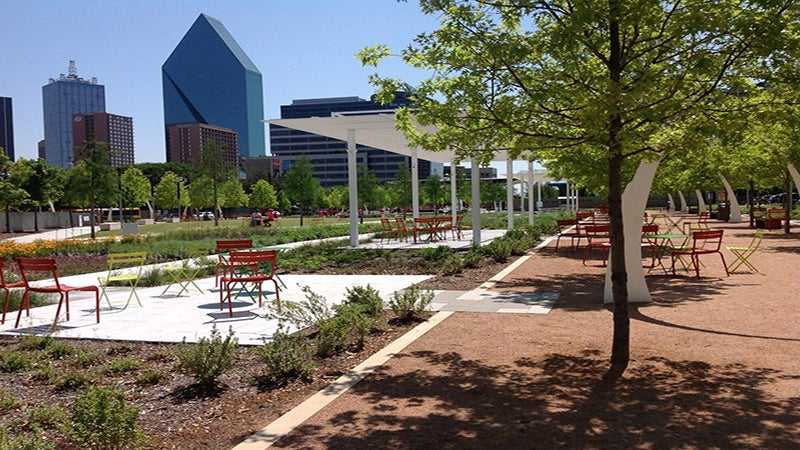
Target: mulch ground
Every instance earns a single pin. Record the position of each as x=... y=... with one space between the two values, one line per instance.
x=715 y=364
x=171 y=415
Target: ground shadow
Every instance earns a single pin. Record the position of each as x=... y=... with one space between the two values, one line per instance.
x=558 y=401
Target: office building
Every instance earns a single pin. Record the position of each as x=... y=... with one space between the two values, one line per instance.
x=261 y=168
x=328 y=156
x=486 y=173
x=111 y=129
x=7 y=127
x=185 y=143
x=208 y=79
x=62 y=98
x=41 y=151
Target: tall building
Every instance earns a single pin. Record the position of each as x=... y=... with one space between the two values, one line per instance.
x=185 y=142
x=62 y=98
x=41 y=150
x=7 y=127
x=328 y=156
x=209 y=79
x=114 y=130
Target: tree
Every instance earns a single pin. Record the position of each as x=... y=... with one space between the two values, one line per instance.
x=493 y=193
x=201 y=193
x=232 y=194
x=300 y=186
x=93 y=179
x=11 y=195
x=283 y=202
x=262 y=195
x=136 y=189
x=434 y=192
x=214 y=166
x=338 y=197
x=401 y=187
x=43 y=183
x=166 y=192
x=595 y=87
x=367 y=187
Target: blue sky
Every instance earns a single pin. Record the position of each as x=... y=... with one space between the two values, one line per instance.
x=303 y=48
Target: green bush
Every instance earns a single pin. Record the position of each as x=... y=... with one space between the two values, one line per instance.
x=150 y=377
x=31 y=343
x=122 y=365
x=287 y=357
x=7 y=402
x=72 y=381
x=13 y=362
x=411 y=303
x=435 y=254
x=333 y=336
x=100 y=419
x=59 y=350
x=44 y=372
x=472 y=258
x=358 y=324
x=85 y=359
x=24 y=441
x=311 y=311
x=46 y=417
x=452 y=265
x=499 y=250
x=366 y=298
x=207 y=360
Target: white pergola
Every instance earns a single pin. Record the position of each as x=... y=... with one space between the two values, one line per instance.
x=378 y=130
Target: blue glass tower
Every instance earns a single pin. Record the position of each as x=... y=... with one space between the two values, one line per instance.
x=62 y=98
x=209 y=79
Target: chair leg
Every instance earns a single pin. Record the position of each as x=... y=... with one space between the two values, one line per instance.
x=221 y=289
x=724 y=264
x=58 y=310
x=260 y=285
x=66 y=298
x=97 y=305
x=696 y=262
x=105 y=295
x=6 y=301
x=21 y=307
x=558 y=239
x=277 y=295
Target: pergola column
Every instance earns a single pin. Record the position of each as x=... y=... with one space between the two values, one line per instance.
x=735 y=210
x=475 y=181
x=352 y=184
x=569 y=198
x=510 y=193
x=701 y=202
x=530 y=193
x=577 y=199
x=795 y=175
x=670 y=203
x=453 y=193
x=414 y=184
x=682 y=198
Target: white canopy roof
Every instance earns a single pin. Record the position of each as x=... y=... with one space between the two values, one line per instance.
x=372 y=130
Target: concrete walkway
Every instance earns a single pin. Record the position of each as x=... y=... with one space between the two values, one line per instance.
x=60 y=234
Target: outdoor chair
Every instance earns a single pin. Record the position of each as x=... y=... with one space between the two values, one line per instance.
x=249 y=268
x=703 y=243
x=401 y=229
x=456 y=230
x=583 y=215
x=647 y=243
x=568 y=228
x=29 y=266
x=117 y=261
x=7 y=286
x=222 y=247
x=387 y=231
x=700 y=224
x=743 y=254
x=597 y=237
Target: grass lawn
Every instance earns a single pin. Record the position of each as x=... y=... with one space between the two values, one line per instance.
x=283 y=222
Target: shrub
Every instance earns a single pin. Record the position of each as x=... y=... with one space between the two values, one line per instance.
x=122 y=365
x=13 y=362
x=7 y=402
x=100 y=419
x=46 y=417
x=24 y=442
x=44 y=372
x=85 y=359
x=365 y=298
x=332 y=336
x=72 y=381
x=150 y=377
x=499 y=250
x=120 y=349
x=287 y=357
x=452 y=265
x=59 y=350
x=207 y=360
x=472 y=258
x=309 y=312
x=411 y=303
x=31 y=343
x=436 y=254
x=358 y=323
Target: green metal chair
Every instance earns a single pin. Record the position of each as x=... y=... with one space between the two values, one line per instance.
x=117 y=261
x=743 y=254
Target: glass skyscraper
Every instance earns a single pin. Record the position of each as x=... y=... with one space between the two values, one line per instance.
x=209 y=79
x=7 y=127
x=62 y=98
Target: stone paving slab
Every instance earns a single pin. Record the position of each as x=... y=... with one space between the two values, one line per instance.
x=464 y=243
x=490 y=301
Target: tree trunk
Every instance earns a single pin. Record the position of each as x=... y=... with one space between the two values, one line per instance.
x=8 y=219
x=91 y=215
x=36 y=219
x=620 y=348
x=151 y=210
x=787 y=203
x=216 y=204
x=52 y=206
x=750 y=195
x=301 y=216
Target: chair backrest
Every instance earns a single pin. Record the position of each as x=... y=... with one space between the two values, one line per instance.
x=707 y=240
x=120 y=260
x=2 y=272
x=596 y=230
x=29 y=266
x=756 y=242
x=401 y=224
x=233 y=244
x=385 y=224
x=566 y=223
x=650 y=228
x=703 y=217
x=581 y=215
x=255 y=259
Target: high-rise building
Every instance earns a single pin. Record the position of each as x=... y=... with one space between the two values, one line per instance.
x=41 y=150
x=6 y=126
x=185 y=143
x=328 y=156
x=209 y=79
x=116 y=131
x=62 y=98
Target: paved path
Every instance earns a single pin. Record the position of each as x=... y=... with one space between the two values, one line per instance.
x=60 y=234
x=714 y=366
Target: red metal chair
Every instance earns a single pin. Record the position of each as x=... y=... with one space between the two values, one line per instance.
x=598 y=238
x=568 y=228
x=225 y=246
x=248 y=268
x=28 y=266
x=401 y=229
x=583 y=215
x=7 y=286
x=703 y=243
x=649 y=244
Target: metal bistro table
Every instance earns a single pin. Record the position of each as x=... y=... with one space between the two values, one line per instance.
x=664 y=243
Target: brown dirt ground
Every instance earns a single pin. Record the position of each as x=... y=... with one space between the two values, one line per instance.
x=715 y=364
x=170 y=418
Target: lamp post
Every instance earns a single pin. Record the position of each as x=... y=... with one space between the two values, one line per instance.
x=119 y=187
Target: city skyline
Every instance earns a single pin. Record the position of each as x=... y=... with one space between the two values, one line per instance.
x=300 y=50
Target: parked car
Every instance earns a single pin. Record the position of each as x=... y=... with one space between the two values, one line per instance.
x=206 y=215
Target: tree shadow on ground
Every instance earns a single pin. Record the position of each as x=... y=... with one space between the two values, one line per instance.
x=560 y=401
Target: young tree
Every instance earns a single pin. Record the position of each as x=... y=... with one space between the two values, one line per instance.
x=136 y=189
x=338 y=197
x=283 y=202
x=594 y=86
x=166 y=192
x=401 y=187
x=11 y=195
x=262 y=195
x=43 y=183
x=201 y=193
x=435 y=192
x=300 y=186
x=214 y=166
x=232 y=194
x=367 y=188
